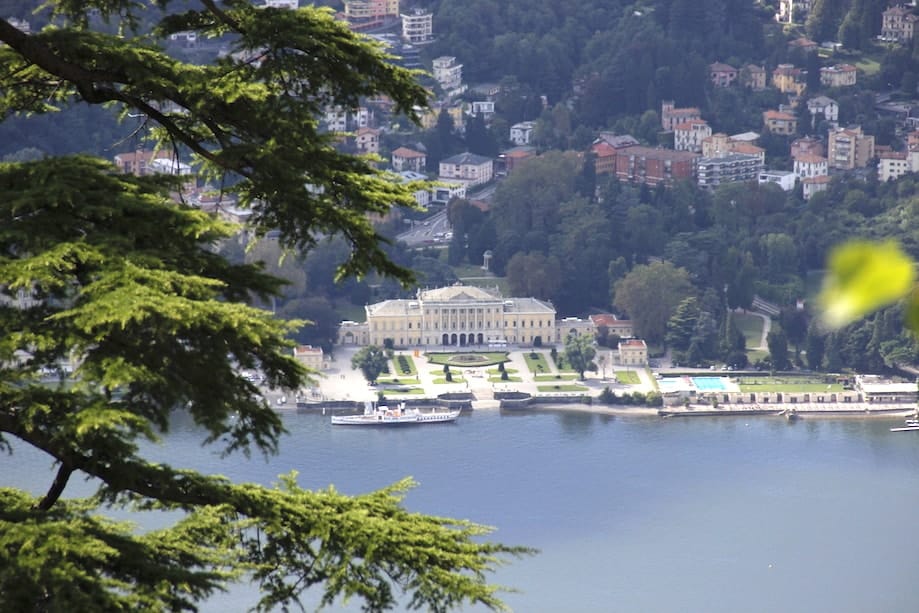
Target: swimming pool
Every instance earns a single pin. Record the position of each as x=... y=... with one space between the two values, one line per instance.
x=710 y=384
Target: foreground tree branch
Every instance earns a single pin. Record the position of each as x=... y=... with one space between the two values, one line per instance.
x=103 y=271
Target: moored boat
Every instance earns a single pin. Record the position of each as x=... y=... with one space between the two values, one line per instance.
x=909 y=426
x=383 y=415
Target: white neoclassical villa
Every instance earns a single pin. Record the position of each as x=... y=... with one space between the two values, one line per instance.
x=459 y=315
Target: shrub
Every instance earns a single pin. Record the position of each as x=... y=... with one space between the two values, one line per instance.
x=504 y=375
x=449 y=376
x=607 y=396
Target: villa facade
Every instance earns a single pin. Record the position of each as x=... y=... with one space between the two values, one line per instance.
x=458 y=315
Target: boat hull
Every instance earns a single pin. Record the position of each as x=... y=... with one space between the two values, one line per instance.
x=381 y=419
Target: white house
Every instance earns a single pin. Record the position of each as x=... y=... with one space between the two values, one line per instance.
x=813 y=185
x=367 y=140
x=892 y=165
x=468 y=168
x=404 y=158
x=486 y=108
x=688 y=135
x=521 y=132
x=783 y=178
x=809 y=166
x=822 y=105
x=418 y=26
x=448 y=74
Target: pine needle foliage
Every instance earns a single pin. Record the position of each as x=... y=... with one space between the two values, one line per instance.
x=105 y=272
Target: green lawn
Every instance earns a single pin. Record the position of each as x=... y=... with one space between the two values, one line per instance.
x=787 y=384
x=398 y=380
x=413 y=390
x=751 y=326
x=443 y=380
x=484 y=358
x=559 y=377
x=408 y=362
x=495 y=371
x=510 y=379
x=628 y=377
x=561 y=388
x=536 y=362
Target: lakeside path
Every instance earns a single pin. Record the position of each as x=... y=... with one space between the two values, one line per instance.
x=340 y=382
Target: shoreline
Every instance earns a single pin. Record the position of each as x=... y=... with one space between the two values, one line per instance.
x=856 y=412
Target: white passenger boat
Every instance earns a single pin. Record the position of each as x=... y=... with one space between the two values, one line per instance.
x=909 y=426
x=399 y=416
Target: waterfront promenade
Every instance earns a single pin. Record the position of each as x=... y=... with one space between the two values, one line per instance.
x=342 y=383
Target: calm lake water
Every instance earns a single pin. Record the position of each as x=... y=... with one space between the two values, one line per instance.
x=631 y=514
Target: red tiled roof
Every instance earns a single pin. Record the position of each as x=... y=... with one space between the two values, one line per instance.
x=405 y=152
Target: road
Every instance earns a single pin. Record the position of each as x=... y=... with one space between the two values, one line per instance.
x=429 y=231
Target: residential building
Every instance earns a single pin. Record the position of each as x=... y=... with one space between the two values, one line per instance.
x=720 y=144
x=807 y=145
x=522 y=132
x=753 y=76
x=824 y=107
x=422 y=196
x=457 y=315
x=633 y=352
x=338 y=119
x=849 y=148
x=898 y=24
x=722 y=75
x=671 y=116
x=139 y=163
x=403 y=158
x=468 y=168
x=448 y=74
x=365 y=11
x=447 y=191
x=574 y=326
x=912 y=139
x=367 y=140
x=840 y=75
x=418 y=26
x=514 y=157
x=780 y=122
x=605 y=149
x=807 y=166
x=783 y=178
x=688 y=136
x=804 y=44
x=788 y=79
x=749 y=149
x=892 y=165
x=309 y=356
x=651 y=166
x=485 y=108
x=813 y=185
x=614 y=326
x=730 y=168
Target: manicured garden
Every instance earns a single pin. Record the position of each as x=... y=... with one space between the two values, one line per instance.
x=469 y=359
x=536 y=362
x=628 y=377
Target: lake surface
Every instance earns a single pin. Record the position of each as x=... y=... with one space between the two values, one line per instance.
x=631 y=513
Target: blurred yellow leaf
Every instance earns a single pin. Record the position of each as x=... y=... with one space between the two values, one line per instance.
x=864 y=276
